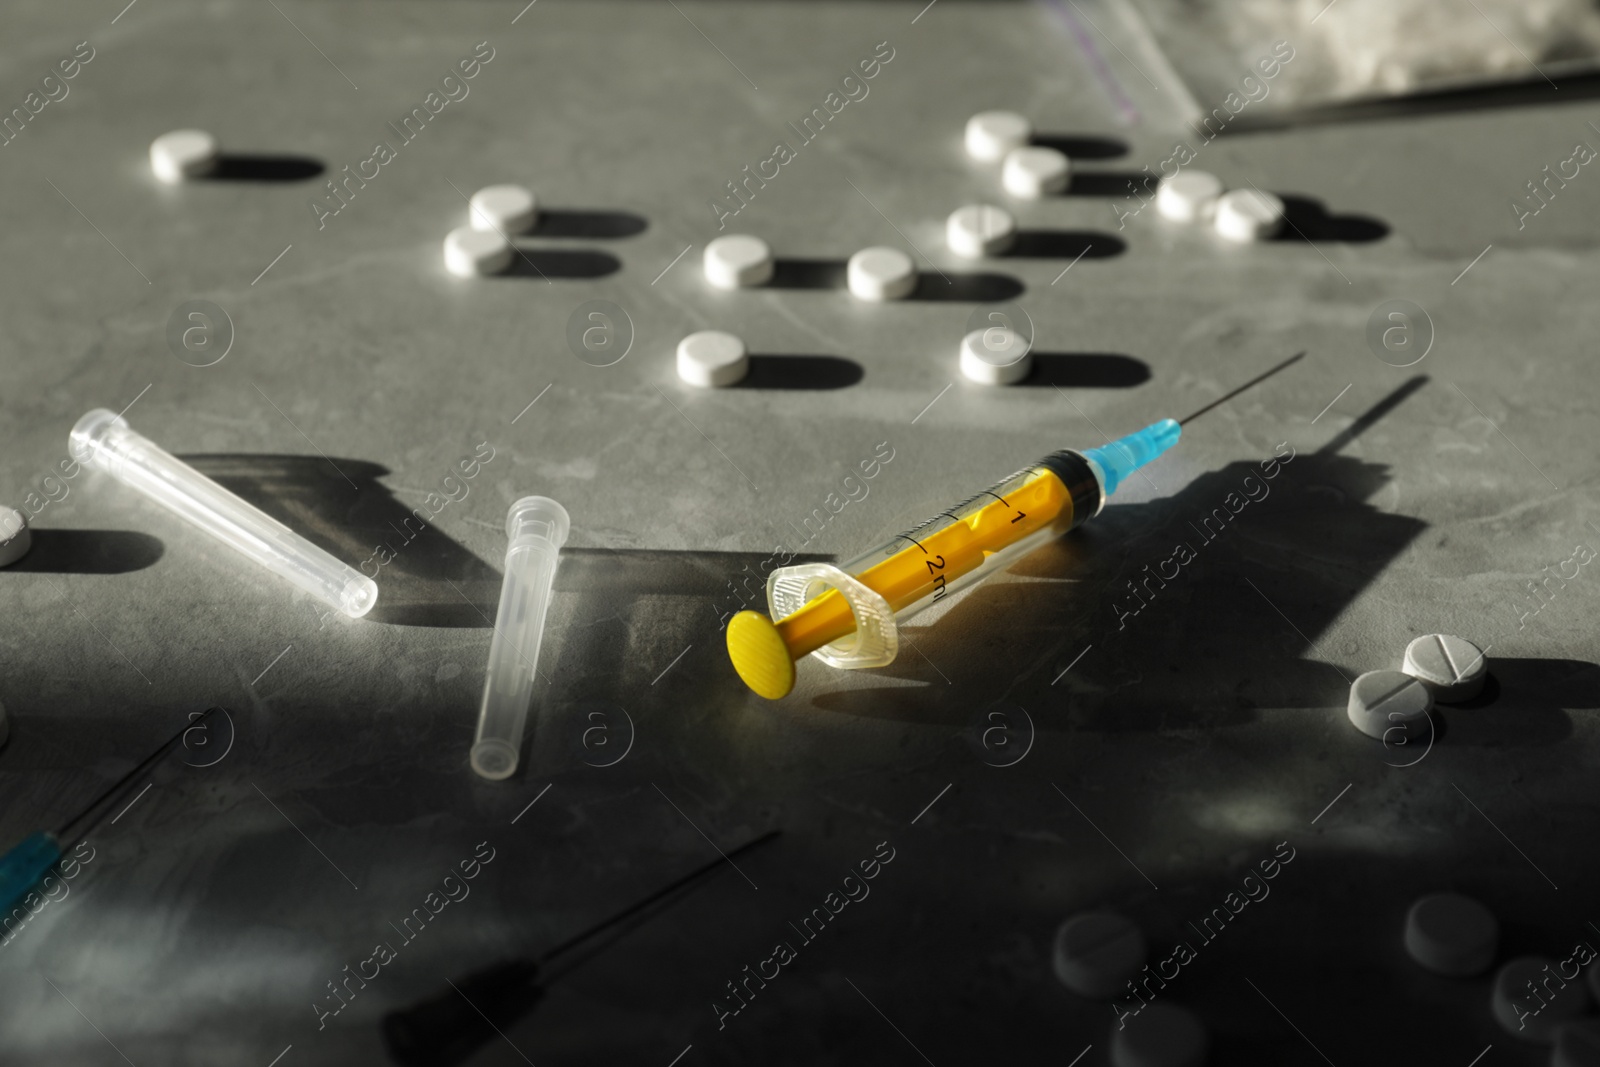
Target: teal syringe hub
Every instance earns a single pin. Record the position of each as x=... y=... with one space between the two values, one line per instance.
x=1122 y=457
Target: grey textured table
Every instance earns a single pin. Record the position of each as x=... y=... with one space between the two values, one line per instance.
x=1167 y=754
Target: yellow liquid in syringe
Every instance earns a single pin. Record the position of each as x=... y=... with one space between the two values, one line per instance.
x=765 y=651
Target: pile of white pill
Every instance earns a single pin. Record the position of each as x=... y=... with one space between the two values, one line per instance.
x=495 y=214
x=1395 y=706
x=1533 y=998
x=1030 y=171
x=1244 y=216
x=1096 y=954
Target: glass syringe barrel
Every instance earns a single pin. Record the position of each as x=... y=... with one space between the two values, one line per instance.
x=917 y=569
x=537 y=527
x=847 y=616
x=104 y=441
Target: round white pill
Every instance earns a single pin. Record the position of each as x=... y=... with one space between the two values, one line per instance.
x=881 y=273
x=1534 y=1012
x=1247 y=215
x=184 y=154
x=1032 y=172
x=1096 y=953
x=1389 y=706
x=979 y=230
x=469 y=253
x=510 y=209
x=1451 y=934
x=996 y=355
x=738 y=261
x=1160 y=1035
x=15 y=537
x=1188 y=196
x=1452 y=667
x=712 y=358
x=1577 y=1044
x=991 y=134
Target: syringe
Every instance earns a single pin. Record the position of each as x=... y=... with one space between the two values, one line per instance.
x=103 y=440
x=537 y=527
x=848 y=616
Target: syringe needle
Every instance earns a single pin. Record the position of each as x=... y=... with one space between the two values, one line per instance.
x=1219 y=401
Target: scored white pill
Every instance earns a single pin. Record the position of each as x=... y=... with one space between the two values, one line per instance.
x=1452 y=667
x=738 y=261
x=469 y=253
x=1577 y=1044
x=1530 y=1000
x=881 y=273
x=996 y=355
x=1096 y=952
x=1451 y=934
x=1246 y=215
x=15 y=536
x=1033 y=171
x=1160 y=1035
x=979 y=230
x=1188 y=196
x=712 y=358
x=184 y=154
x=991 y=134
x=1390 y=706
x=511 y=209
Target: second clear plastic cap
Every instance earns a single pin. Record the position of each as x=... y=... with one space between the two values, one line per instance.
x=538 y=517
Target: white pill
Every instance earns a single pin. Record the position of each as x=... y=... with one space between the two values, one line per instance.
x=1452 y=667
x=881 y=273
x=15 y=537
x=1096 y=952
x=979 y=230
x=1033 y=172
x=1160 y=1035
x=712 y=358
x=1188 y=196
x=1533 y=1013
x=511 y=209
x=1451 y=934
x=184 y=154
x=1390 y=706
x=1577 y=1044
x=469 y=253
x=996 y=355
x=738 y=261
x=991 y=134
x=1247 y=215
